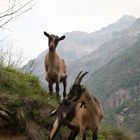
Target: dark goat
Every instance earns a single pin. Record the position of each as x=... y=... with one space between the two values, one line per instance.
x=55 y=67
x=79 y=111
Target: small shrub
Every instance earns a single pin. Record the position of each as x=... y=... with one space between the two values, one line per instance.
x=116 y=133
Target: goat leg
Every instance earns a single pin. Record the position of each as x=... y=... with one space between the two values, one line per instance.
x=64 y=85
x=50 y=87
x=56 y=127
x=73 y=134
x=84 y=138
x=95 y=136
x=57 y=89
x=82 y=133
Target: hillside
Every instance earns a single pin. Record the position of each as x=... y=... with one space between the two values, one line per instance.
x=121 y=71
x=118 y=86
x=25 y=109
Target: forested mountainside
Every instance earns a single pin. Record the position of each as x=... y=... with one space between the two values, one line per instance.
x=118 y=86
x=108 y=50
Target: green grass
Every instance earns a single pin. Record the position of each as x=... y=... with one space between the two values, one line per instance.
x=18 y=83
x=23 y=85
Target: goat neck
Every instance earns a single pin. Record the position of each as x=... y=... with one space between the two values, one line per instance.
x=52 y=55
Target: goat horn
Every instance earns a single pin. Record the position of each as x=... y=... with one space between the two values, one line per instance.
x=81 y=77
x=77 y=77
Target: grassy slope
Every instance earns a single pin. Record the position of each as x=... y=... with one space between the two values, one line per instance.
x=25 y=87
x=22 y=94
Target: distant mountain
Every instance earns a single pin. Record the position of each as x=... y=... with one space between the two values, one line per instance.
x=118 y=86
x=78 y=44
x=123 y=23
x=107 y=50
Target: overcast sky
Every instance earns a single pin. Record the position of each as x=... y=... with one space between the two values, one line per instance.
x=60 y=16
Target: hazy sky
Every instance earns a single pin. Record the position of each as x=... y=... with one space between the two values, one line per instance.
x=60 y=16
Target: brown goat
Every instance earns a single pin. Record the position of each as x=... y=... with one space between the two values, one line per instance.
x=79 y=111
x=55 y=67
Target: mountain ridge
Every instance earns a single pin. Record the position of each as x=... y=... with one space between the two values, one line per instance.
x=69 y=51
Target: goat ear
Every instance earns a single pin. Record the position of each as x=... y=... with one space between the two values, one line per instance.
x=62 y=37
x=46 y=34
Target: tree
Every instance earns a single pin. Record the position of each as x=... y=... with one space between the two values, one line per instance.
x=8 y=12
x=14 y=9
x=9 y=57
